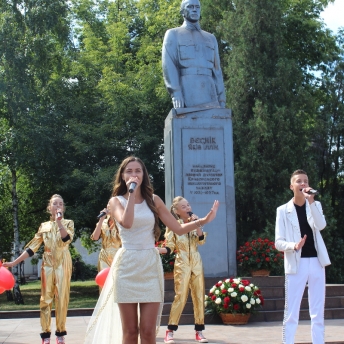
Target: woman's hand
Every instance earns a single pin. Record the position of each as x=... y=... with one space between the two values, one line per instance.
x=170 y=221
x=212 y=213
x=58 y=215
x=8 y=264
x=193 y=217
x=96 y=233
x=22 y=257
x=106 y=211
x=132 y=180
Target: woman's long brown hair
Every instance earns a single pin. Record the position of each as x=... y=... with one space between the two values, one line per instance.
x=120 y=189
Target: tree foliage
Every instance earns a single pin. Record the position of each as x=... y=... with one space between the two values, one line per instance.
x=266 y=94
x=32 y=35
x=330 y=153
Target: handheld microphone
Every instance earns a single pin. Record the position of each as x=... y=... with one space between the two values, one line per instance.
x=311 y=192
x=103 y=213
x=190 y=213
x=132 y=187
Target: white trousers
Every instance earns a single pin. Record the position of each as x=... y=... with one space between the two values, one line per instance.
x=312 y=272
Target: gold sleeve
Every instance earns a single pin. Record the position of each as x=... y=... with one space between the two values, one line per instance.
x=69 y=225
x=201 y=242
x=92 y=237
x=170 y=239
x=36 y=242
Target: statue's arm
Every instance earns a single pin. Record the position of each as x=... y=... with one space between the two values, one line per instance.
x=170 y=68
x=217 y=73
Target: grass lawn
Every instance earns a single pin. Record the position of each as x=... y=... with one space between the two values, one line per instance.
x=82 y=295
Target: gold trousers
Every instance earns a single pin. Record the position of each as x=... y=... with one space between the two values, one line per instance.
x=55 y=287
x=183 y=280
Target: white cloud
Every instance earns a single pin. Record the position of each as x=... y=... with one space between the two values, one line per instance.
x=333 y=15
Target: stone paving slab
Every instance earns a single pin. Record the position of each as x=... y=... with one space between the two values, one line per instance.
x=26 y=331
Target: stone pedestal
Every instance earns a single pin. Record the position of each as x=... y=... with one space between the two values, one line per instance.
x=199 y=167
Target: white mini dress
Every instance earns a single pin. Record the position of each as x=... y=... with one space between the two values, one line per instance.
x=136 y=276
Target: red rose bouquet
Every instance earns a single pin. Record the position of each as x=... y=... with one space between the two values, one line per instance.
x=259 y=254
x=166 y=259
x=234 y=295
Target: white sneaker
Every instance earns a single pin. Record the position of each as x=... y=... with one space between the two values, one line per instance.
x=169 y=337
x=60 y=340
x=200 y=338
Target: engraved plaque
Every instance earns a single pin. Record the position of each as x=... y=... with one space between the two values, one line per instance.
x=203 y=164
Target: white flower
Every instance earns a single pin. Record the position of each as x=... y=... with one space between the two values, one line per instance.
x=212 y=289
x=230 y=290
x=240 y=286
x=248 y=305
x=222 y=286
x=206 y=297
x=236 y=280
x=217 y=292
x=255 y=287
x=258 y=301
x=251 y=285
x=234 y=294
x=244 y=298
x=248 y=288
x=227 y=280
x=218 y=301
x=205 y=303
x=252 y=301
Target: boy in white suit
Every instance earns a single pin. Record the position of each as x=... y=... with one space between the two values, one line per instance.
x=298 y=226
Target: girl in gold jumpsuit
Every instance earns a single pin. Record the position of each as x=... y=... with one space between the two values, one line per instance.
x=111 y=241
x=56 y=271
x=188 y=270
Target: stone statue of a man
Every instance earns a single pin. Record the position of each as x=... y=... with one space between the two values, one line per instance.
x=191 y=63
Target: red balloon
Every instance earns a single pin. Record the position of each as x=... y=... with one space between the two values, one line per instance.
x=2 y=290
x=101 y=277
x=7 y=280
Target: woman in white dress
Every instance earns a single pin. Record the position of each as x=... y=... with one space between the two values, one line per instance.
x=132 y=298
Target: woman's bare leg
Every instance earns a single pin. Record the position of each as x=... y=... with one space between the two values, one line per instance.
x=148 y=316
x=129 y=320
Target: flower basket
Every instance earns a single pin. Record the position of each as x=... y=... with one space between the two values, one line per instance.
x=167 y=260
x=235 y=319
x=259 y=254
x=234 y=296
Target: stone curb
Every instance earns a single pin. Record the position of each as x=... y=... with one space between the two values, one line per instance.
x=74 y=312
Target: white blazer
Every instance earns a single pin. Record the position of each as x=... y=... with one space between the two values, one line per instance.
x=288 y=234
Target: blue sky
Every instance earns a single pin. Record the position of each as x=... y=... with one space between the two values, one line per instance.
x=333 y=15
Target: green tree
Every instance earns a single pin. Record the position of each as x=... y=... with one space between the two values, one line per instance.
x=33 y=36
x=329 y=146
x=120 y=101
x=272 y=105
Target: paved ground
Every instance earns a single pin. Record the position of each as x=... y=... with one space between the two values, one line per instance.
x=26 y=331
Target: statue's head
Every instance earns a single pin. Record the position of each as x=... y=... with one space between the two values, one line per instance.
x=191 y=10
